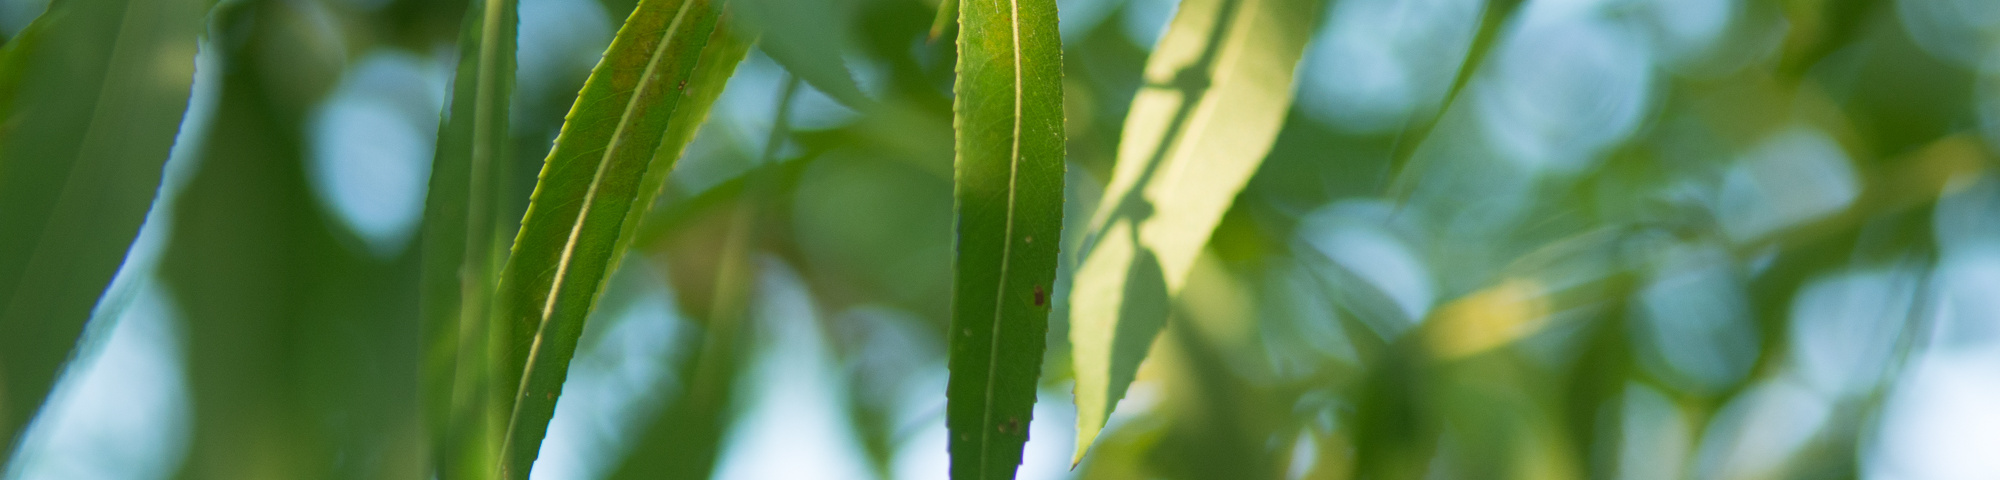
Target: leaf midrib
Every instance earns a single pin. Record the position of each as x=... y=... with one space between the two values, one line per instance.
x=583 y=214
x=1006 y=246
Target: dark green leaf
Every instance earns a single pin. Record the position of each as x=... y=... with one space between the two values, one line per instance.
x=685 y=441
x=300 y=356
x=1009 y=120
x=808 y=37
x=462 y=249
x=91 y=99
x=725 y=49
x=595 y=179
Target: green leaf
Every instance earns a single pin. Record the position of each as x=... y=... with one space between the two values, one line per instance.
x=725 y=49
x=947 y=16
x=1009 y=196
x=300 y=354
x=808 y=37
x=1495 y=14
x=91 y=96
x=603 y=169
x=462 y=249
x=686 y=439
x=1217 y=89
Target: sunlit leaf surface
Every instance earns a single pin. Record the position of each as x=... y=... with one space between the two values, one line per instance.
x=1217 y=89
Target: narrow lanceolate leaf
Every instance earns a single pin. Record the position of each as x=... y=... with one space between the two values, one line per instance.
x=462 y=247
x=91 y=96
x=1009 y=193
x=1217 y=89
x=591 y=183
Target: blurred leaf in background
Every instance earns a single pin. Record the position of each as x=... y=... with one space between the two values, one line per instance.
x=91 y=95
x=1632 y=239
x=462 y=246
x=289 y=323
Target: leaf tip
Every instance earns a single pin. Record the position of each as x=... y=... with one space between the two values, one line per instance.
x=947 y=16
x=1086 y=434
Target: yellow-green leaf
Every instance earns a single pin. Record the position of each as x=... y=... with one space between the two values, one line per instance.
x=1009 y=193
x=947 y=15
x=1217 y=89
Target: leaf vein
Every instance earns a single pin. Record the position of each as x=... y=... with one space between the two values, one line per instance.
x=1007 y=245
x=583 y=214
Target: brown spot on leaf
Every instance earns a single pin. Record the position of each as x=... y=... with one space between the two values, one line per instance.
x=1040 y=297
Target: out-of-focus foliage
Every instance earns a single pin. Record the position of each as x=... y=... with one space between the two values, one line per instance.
x=1634 y=239
x=90 y=95
x=462 y=248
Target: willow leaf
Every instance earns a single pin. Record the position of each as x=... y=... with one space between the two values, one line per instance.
x=1402 y=159
x=725 y=49
x=1009 y=193
x=809 y=38
x=462 y=252
x=1217 y=89
x=91 y=97
x=593 y=181
x=947 y=15
x=685 y=440
x=283 y=317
